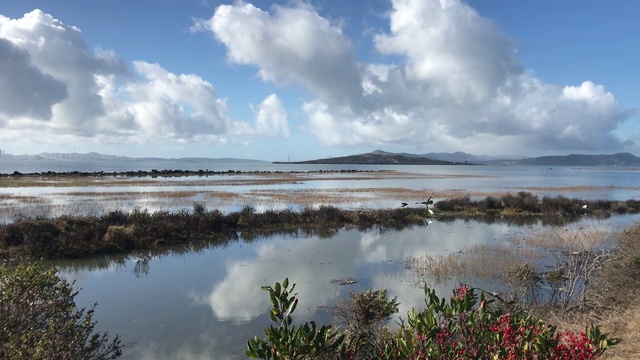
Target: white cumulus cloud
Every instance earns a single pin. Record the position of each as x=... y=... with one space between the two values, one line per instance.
x=290 y=45
x=54 y=88
x=449 y=79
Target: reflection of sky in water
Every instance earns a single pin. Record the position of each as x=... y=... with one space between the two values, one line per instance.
x=608 y=184
x=205 y=305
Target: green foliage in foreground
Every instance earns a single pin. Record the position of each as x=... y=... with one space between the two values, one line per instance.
x=468 y=326
x=286 y=341
x=39 y=319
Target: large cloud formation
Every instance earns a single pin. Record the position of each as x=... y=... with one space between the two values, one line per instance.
x=453 y=81
x=54 y=88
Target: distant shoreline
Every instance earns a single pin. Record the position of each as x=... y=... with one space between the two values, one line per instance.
x=176 y=173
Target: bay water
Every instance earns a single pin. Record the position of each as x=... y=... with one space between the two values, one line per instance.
x=204 y=302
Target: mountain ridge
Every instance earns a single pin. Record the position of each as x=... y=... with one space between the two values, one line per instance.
x=380 y=157
x=374 y=158
x=377 y=157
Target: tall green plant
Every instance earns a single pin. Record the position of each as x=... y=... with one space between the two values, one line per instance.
x=286 y=341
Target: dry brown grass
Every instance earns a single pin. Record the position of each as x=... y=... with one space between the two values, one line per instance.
x=590 y=237
x=212 y=180
x=472 y=263
x=629 y=332
x=468 y=265
x=615 y=291
x=577 y=188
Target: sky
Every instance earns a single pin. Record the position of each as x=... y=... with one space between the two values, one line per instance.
x=300 y=80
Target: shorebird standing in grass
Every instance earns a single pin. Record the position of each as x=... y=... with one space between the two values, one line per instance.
x=427 y=203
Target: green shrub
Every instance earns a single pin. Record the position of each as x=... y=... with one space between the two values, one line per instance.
x=361 y=320
x=467 y=327
x=471 y=327
x=286 y=341
x=39 y=319
x=455 y=204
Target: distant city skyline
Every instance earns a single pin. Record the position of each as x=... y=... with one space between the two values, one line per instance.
x=299 y=80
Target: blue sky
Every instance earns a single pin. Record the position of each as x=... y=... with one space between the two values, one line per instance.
x=302 y=80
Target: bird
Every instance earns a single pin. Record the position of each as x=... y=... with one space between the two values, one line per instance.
x=403 y=204
x=428 y=202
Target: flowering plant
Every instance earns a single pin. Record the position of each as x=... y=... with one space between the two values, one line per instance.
x=470 y=327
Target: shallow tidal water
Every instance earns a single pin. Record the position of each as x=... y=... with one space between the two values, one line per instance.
x=204 y=302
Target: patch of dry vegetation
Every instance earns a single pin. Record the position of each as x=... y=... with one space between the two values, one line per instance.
x=599 y=282
x=469 y=265
x=582 y=188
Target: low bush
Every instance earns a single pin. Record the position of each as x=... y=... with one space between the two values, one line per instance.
x=69 y=236
x=468 y=326
x=473 y=327
x=360 y=318
x=455 y=204
x=39 y=319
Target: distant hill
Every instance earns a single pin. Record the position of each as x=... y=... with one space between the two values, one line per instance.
x=457 y=157
x=380 y=157
x=376 y=158
x=620 y=159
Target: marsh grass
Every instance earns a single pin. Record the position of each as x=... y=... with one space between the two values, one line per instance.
x=89 y=195
x=193 y=179
x=600 y=281
x=531 y=204
x=542 y=249
x=581 y=188
x=167 y=226
x=470 y=265
x=119 y=231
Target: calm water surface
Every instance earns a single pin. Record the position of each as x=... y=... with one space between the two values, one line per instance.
x=204 y=303
x=585 y=182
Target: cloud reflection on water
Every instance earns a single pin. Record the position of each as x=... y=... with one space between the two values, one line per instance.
x=313 y=263
x=206 y=304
